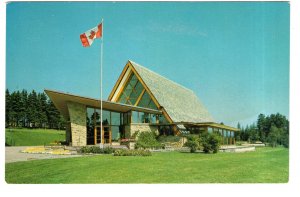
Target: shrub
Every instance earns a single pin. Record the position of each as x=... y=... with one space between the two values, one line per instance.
x=126 y=152
x=210 y=142
x=96 y=150
x=192 y=143
x=147 y=140
x=168 y=138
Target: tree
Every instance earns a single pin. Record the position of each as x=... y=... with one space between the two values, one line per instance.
x=273 y=129
x=15 y=108
x=261 y=126
x=31 y=110
x=253 y=134
x=237 y=134
x=8 y=108
x=24 y=108
x=53 y=115
x=33 y=117
x=273 y=136
x=42 y=109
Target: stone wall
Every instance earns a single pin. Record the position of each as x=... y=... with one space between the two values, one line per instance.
x=142 y=127
x=77 y=114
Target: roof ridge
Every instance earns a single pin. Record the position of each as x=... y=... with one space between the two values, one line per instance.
x=161 y=76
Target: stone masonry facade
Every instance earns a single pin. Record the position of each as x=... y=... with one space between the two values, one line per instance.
x=78 y=123
x=142 y=127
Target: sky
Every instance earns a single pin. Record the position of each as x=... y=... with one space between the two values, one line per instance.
x=233 y=55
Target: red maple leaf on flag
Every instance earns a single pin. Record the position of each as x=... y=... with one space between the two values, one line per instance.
x=92 y=34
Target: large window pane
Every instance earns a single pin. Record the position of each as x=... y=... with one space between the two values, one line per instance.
x=144 y=117
x=105 y=118
x=209 y=129
x=152 y=105
x=90 y=125
x=115 y=133
x=144 y=100
x=132 y=91
x=122 y=98
x=139 y=88
x=152 y=118
x=133 y=80
x=162 y=119
x=135 y=117
x=115 y=118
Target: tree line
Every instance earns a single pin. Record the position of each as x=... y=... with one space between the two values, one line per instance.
x=31 y=110
x=272 y=129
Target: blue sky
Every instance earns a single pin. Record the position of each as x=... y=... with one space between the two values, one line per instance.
x=234 y=56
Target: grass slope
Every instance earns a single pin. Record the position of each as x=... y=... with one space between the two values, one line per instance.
x=265 y=165
x=32 y=137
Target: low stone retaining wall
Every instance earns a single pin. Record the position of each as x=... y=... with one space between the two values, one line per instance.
x=237 y=149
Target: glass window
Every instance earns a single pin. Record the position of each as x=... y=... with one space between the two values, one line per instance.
x=144 y=100
x=152 y=118
x=132 y=91
x=152 y=105
x=115 y=118
x=139 y=88
x=209 y=129
x=146 y=118
x=90 y=125
x=115 y=133
x=126 y=118
x=96 y=115
x=132 y=80
x=90 y=117
x=162 y=119
x=122 y=98
x=220 y=131
x=135 y=117
x=105 y=118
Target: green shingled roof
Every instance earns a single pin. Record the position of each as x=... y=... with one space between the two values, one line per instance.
x=179 y=102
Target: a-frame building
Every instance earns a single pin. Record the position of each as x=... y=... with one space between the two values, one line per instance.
x=141 y=100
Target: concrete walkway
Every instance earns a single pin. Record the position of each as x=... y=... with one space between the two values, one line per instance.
x=13 y=154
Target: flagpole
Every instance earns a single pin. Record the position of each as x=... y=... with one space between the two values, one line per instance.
x=101 y=62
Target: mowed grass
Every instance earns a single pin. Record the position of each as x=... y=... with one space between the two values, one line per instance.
x=33 y=137
x=265 y=165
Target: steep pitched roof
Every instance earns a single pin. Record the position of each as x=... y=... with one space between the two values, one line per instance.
x=180 y=103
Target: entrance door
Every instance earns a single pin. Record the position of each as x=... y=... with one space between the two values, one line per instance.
x=106 y=138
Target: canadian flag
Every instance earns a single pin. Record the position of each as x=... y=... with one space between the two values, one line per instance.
x=88 y=37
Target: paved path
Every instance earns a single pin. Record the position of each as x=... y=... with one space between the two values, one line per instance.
x=13 y=154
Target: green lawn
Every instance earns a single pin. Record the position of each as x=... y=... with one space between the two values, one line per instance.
x=32 y=137
x=265 y=165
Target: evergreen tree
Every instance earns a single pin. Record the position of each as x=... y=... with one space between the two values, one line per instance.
x=31 y=110
x=33 y=118
x=237 y=134
x=261 y=126
x=273 y=136
x=8 y=110
x=42 y=110
x=24 y=107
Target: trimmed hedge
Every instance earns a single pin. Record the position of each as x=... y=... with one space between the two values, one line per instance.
x=96 y=150
x=126 y=152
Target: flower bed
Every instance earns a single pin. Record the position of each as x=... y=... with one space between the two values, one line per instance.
x=43 y=150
